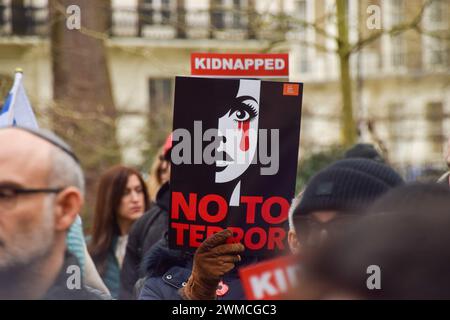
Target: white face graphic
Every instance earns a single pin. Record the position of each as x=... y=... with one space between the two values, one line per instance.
x=238 y=128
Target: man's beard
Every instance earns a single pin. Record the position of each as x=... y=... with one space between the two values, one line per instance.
x=24 y=248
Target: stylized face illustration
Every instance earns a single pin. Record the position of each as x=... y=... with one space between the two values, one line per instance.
x=238 y=129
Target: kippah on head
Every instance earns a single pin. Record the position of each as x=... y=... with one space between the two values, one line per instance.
x=49 y=137
x=347 y=185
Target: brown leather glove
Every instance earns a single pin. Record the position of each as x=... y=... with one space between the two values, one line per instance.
x=212 y=260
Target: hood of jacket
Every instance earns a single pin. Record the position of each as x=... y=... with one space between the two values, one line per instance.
x=160 y=258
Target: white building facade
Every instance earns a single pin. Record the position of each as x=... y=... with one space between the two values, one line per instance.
x=401 y=82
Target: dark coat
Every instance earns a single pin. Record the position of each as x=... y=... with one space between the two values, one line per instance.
x=145 y=232
x=168 y=270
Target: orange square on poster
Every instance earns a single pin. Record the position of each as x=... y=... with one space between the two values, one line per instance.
x=291 y=89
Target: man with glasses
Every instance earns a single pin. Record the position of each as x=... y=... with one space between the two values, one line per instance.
x=41 y=193
x=335 y=196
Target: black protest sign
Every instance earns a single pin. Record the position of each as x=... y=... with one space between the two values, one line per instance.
x=234 y=161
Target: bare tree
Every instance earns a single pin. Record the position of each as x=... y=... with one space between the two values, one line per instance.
x=345 y=49
x=84 y=111
x=348 y=123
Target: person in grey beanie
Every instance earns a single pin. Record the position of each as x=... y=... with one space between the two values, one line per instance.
x=364 y=150
x=336 y=195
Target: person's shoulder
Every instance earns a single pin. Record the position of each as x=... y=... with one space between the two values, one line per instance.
x=165 y=286
x=160 y=258
x=140 y=227
x=60 y=291
x=145 y=219
x=444 y=179
x=96 y=294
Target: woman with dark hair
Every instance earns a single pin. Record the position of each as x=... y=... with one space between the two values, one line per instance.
x=122 y=198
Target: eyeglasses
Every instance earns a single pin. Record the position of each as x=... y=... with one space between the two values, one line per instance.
x=9 y=195
x=310 y=231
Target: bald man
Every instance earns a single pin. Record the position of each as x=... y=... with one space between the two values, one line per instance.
x=41 y=193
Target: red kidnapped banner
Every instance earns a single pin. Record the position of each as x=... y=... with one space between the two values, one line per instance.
x=256 y=65
x=269 y=280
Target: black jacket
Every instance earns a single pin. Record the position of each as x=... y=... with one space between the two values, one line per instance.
x=145 y=232
x=168 y=270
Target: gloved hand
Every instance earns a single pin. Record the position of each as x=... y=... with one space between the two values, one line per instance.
x=212 y=260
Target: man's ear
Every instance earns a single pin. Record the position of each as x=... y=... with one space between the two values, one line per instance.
x=294 y=245
x=68 y=205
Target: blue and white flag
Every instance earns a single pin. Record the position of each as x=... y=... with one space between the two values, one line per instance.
x=17 y=109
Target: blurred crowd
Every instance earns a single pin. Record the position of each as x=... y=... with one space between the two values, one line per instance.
x=355 y=214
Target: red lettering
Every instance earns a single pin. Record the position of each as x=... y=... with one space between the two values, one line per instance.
x=188 y=209
x=213 y=209
x=211 y=230
x=249 y=236
x=251 y=207
x=254 y=238
x=276 y=237
x=238 y=234
x=180 y=227
x=196 y=238
x=221 y=210
x=266 y=210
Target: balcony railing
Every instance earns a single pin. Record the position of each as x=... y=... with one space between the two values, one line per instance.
x=163 y=22
x=23 y=21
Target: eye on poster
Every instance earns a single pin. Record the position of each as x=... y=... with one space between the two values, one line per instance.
x=234 y=161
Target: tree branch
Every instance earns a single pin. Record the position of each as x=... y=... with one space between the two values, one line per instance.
x=414 y=24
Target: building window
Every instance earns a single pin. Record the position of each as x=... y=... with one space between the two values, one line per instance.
x=439 y=53
x=396 y=118
x=146 y=13
x=437 y=13
x=398 y=41
x=3 y=19
x=157 y=12
x=160 y=114
x=160 y=91
x=437 y=49
x=397 y=12
x=166 y=11
x=434 y=114
x=228 y=14
x=398 y=51
x=160 y=111
x=217 y=14
x=237 y=14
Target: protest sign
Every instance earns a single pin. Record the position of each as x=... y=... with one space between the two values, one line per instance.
x=269 y=280
x=234 y=160
x=256 y=65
